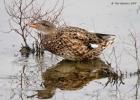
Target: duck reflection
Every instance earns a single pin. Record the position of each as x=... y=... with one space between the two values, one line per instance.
x=72 y=75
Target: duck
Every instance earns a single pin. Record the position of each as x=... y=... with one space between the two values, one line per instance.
x=70 y=42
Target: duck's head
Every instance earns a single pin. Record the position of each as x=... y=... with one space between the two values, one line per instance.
x=44 y=26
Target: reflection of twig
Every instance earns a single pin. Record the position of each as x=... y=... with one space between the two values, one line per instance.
x=114 y=78
x=137 y=86
x=135 y=55
x=22 y=81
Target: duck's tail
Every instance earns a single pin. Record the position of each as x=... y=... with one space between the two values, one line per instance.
x=105 y=36
x=102 y=40
x=105 y=39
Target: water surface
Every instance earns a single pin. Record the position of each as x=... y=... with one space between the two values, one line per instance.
x=113 y=76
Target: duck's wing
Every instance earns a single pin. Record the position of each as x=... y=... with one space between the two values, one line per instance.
x=75 y=33
x=83 y=37
x=82 y=34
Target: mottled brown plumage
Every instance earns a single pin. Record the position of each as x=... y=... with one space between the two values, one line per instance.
x=72 y=43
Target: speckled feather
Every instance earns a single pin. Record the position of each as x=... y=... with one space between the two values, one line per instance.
x=73 y=43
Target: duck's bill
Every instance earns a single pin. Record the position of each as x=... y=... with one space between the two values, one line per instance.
x=33 y=25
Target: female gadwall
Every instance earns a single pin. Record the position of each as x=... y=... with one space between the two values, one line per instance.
x=72 y=43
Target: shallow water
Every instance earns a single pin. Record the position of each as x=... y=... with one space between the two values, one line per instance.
x=114 y=76
x=32 y=79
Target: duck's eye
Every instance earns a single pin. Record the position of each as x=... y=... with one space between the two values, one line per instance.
x=45 y=25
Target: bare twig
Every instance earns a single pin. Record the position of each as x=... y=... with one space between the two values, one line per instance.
x=23 y=12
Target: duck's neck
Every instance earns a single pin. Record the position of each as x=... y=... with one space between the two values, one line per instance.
x=49 y=35
x=51 y=32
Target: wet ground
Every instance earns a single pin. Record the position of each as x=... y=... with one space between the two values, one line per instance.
x=114 y=76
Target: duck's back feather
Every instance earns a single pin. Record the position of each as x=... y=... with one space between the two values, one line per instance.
x=75 y=43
